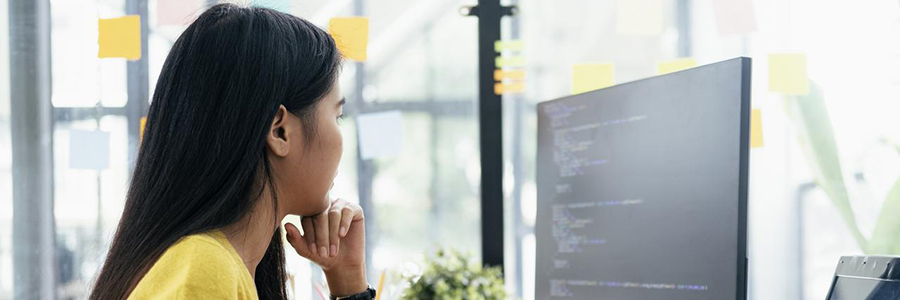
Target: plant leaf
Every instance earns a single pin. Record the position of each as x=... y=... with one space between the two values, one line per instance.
x=810 y=116
x=886 y=237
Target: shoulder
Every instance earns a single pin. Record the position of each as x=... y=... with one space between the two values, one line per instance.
x=197 y=265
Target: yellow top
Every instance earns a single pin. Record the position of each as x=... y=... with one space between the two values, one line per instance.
x=199 y=266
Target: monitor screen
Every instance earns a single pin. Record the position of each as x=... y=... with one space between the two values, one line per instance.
x=642 y=188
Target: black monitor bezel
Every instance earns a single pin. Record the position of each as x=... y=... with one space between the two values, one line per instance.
x=744 y=167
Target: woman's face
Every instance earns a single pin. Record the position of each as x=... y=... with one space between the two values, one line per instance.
x=304 y=170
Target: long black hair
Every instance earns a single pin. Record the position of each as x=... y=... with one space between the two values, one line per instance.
x=203 y=160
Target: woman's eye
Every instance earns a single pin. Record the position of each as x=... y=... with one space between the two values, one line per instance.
x=340 y=117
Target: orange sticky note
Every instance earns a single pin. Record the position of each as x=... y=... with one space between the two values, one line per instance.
x=756 y=135
x=143 y=124
x=589 y=77
x=788 y=74
x=351 y=35
x=509 y=88
x=675 y=65
x=120 y=37
x=500 y=75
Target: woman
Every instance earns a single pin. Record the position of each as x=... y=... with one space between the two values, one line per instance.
x=242 y=131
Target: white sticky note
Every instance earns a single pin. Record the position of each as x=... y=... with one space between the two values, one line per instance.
x=380 y=134
x=734 y=17
x=88 y=150
x=639 y=17
x=177 y=12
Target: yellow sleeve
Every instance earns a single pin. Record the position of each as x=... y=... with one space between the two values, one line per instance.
x=193 y=268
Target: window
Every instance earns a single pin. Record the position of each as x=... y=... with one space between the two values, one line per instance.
x=422 y=63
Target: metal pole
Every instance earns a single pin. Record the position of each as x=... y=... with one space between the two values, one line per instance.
x=683 y=11
x=490 y=121
x=365 y=169
x=138 y=73
x=518 y=228
x=34 y=244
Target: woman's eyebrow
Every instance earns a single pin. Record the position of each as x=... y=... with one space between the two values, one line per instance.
x=342 y=102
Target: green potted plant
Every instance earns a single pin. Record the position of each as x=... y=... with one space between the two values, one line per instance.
x=816 y=136
x=449 y=274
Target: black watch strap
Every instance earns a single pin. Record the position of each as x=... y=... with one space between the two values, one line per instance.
x=369 y=294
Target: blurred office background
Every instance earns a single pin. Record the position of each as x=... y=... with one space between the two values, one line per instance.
x=422 y=62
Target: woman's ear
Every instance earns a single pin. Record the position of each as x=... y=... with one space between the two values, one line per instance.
x=282 y=133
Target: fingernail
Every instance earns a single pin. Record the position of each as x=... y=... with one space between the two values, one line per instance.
x=343 y=231
x=333 y=250
x=323 y=252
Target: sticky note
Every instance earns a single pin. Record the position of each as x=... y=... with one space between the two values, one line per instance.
x=509 y=61
x=279 y=5
x=380 y=134
x=788 y=74
x=734 y=17
x=756 y=135
x=639 y=17
x=351 y=35
x=509 y=88
x=589 y=77
x=143 y=125
x=675 y=65
x=500 y=75
x=88 y=150
x=176 y=12
x=516 y=45
x=120 y=37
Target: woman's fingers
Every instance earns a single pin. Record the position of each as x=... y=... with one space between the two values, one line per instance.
x=320 y=222
x=309 y=233
x=322 y=233
x=296 y=239
x=346 y=218
x=334 y=222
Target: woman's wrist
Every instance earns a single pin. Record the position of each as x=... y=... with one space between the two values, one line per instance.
x=345 y=281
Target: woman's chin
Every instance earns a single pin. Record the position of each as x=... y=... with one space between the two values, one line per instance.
x=314 y=209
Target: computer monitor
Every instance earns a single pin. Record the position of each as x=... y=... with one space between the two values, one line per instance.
x=866 y=278
x=642 y=188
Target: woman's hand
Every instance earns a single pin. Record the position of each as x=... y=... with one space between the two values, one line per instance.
x=336 y=241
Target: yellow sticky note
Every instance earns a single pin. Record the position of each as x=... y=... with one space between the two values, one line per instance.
x=509 y=61
x=509 y=88
x=500 y=75
x=639 y=17
x=787 y=73
x=120 y=37
x=143 y=125
x=351 y=35
x=756 y=135
x=589 y=77
x=500 y=46
x=675 y=65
